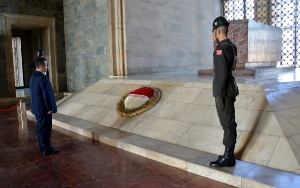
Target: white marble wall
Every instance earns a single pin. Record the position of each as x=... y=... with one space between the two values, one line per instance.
x=268 y=127
x=169 y=35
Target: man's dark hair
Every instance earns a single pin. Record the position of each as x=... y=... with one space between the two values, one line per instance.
x=40 y=62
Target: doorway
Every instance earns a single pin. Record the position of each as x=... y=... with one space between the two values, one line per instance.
x=45 y=26
x=25 y=43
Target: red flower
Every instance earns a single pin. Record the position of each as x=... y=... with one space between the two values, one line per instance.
x=147 y=91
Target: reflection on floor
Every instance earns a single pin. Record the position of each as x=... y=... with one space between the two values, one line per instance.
x=83 y=162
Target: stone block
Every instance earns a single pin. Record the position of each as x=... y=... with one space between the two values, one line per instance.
x=173 y=29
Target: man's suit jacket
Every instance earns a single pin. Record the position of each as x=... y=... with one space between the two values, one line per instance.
x=42 y=96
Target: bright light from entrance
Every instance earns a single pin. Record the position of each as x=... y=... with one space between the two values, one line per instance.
x=17 y=60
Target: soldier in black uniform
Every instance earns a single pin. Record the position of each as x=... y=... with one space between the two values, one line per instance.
x=39 y=54
x=225 y=89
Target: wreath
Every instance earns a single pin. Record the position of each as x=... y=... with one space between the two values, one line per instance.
x=138 y=101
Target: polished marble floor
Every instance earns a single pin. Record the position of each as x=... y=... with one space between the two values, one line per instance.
x=87 y=163
x=82 y=162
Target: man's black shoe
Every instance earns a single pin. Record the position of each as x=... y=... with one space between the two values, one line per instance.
x=53 y=151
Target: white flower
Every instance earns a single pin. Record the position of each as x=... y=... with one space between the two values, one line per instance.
x=134 y=101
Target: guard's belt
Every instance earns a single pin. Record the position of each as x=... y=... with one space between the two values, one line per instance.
x=228 y=74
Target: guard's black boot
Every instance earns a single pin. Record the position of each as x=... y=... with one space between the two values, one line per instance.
x=227 y=160
x=220 y=156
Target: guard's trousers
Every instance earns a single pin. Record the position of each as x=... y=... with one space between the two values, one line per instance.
x=227 y=120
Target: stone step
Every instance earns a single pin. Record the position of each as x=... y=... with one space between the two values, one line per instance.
x=250 y=71
x=244 y=174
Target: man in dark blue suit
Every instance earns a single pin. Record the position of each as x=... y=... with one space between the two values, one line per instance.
x=43 y=105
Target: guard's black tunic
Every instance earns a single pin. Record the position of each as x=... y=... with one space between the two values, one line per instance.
x=223 y=61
